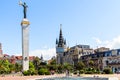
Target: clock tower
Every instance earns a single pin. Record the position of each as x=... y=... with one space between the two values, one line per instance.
x=60 y=47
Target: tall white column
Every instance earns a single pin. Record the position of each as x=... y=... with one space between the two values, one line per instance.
x=25 y=44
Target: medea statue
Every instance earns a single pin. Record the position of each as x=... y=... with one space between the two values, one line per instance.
x=25 y=8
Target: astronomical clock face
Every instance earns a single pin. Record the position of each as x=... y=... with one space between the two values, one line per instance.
x=60 y=50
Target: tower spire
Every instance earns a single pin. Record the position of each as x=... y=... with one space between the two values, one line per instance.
x=60 y=26
x=60 y=31
x=56 y=41
x=60 y=47
x=41 y=57
x=61 y=40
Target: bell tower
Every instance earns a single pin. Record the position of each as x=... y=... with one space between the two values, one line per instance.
x=60 y=47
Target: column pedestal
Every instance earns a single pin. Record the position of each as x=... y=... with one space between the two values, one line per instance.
x=25 y=44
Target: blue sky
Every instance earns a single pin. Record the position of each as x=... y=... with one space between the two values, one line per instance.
x=92 y=22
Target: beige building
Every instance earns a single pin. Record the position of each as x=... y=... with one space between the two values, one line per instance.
x=74 y=54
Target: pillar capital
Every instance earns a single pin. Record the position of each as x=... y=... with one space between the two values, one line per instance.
x=25 y=22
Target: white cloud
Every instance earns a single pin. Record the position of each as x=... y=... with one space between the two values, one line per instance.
x=47 y=53
x=112 y=44
x=45 y=47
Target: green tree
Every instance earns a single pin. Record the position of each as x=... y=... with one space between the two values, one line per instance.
x=31 y=65
x=36 y=62
x=1 y=67
x=68 y=66
x=80 y=65
x=53 y=62
x=51 y=67
x=59 y=68
x=18 y=67
x=43 y=63
x=4 y=66
x=32 y=70
x=91 y=63
x=12 y=67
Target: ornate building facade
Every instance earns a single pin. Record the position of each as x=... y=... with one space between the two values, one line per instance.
x=70 y=55
x=74 y=53
x=101 y=57
x=104 y=58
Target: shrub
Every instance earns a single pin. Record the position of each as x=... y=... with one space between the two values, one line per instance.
x=97 y=72
x=32 y=71
x=29 y=72
x=107 y=71
x=81 y=71
x=47 y=73
x=26 y=73
x=43 y=71
x=35 y=72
